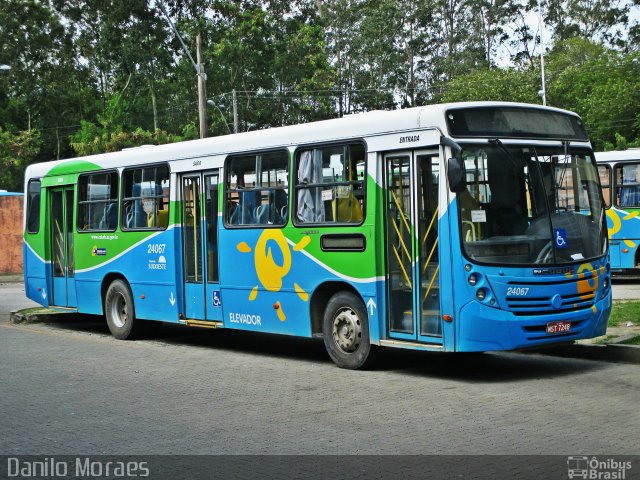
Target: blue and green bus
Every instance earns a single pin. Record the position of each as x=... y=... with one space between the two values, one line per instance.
x=460 y=227
x=620 y=178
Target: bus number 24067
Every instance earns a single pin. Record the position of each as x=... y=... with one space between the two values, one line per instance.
x=517 y=291
x=156 y=248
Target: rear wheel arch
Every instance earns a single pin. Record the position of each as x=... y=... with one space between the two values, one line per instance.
x=106 y=282
x=319 y=299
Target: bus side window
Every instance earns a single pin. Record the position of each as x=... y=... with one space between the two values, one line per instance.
x=145 y=198
x=97 y=201
x=256 y=189
x=605 y=180
x=33 y=206
x=330 y=185
x=628 y=188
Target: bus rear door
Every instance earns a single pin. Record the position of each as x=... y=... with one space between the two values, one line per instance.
x=61 y=203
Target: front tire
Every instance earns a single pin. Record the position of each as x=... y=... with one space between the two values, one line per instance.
x=345 y=330
x=118 y=308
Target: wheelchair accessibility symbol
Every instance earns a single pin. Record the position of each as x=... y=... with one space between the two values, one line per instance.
x=560 y=235
x=217 y=299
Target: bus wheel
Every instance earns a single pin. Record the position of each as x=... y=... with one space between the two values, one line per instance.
x=346 y=332
x=118 y=307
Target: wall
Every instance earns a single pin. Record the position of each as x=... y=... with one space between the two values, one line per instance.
x=11 y=234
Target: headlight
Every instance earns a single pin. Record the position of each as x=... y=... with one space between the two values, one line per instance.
x=481 y=294
x=473 y=279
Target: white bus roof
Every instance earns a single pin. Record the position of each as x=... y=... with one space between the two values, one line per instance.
x=351 y=126
x=618 y=156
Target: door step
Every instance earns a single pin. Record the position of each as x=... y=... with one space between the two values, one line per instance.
x=63 y=309
x=201 y=323
x=411 y=345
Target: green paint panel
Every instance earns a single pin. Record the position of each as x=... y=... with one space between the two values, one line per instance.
x=60 y=181
x=353 y=264
x=114 y=242
x=73 y=166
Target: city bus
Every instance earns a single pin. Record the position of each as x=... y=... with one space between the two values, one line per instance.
x=620 y=179
x=464 y=227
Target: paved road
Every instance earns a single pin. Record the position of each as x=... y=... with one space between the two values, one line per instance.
x=626 y=289
x=69 y=388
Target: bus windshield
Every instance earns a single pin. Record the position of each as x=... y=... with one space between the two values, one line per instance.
x=531 y=205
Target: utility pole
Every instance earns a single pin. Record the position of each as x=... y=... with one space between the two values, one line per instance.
x=202 y=98
x=543 y=90
x=235 y=112
x=202 y=94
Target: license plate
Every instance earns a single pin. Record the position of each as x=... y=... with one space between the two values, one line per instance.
x=559 y=327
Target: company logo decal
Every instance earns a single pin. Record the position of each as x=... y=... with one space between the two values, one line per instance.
x=101 y=252
x=616 y=224
x=587 y=285
x=271 y=274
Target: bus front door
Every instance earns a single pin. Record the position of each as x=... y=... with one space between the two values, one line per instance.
x=200 y=246
x=61 y=202
x=413 y=286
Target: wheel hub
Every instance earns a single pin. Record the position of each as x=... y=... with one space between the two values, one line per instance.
x=347 y=331
x=119 y=311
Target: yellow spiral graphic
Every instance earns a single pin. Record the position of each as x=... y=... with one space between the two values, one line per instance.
x=617 y=223
x=587 y=291
x=269 y=272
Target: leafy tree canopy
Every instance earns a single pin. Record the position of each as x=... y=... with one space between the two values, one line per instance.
x=88 y=76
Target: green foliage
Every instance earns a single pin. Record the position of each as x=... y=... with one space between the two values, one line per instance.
x=276 y=60
x=17 y=150
x=91 y=139
x=497 y=84
x=95 y=76
x=602 y=85
x=632 y=341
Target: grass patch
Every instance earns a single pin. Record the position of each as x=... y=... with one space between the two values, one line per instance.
x=604 y=340
x=632 y=341
x=35 y=310
x=623 y=312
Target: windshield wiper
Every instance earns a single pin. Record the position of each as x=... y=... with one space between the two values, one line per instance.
x=564 y=166
x=546 y=201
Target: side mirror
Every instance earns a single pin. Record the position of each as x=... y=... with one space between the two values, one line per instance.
x=456 y=174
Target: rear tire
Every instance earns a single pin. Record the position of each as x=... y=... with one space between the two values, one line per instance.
x=345 y=330
x=118 y=308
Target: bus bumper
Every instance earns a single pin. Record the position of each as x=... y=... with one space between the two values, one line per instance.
x=483 y=328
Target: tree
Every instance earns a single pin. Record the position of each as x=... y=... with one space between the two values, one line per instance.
x=600 y=84
x=273 y=57
x=46 y=86
x=496 y=84
x=17 y=151
x=92 y=139
x=125 y=44
x=599 y=20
